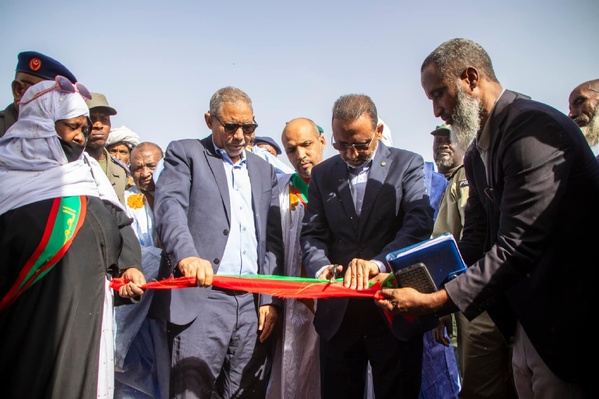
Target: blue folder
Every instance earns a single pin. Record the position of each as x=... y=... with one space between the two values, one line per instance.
x=443 y=261
x=440 y=256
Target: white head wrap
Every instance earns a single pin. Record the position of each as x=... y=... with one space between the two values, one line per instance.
x=33 y=165
x=122 y=134
x=387 y=138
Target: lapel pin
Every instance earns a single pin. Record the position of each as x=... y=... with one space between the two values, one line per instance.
x=383 y=163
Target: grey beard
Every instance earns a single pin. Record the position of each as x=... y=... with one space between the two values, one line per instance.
x=445 y=163
x=465 y=118
x=591 y=131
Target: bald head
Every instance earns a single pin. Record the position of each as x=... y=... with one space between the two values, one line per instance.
x=303 y=144
x=584 y=107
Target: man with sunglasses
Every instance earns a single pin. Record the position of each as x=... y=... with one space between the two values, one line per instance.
x=216 y=212
x=32 y=67
x=362 y=204
x=118 y=174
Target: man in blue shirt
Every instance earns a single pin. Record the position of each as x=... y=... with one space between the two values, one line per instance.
x=216 y=212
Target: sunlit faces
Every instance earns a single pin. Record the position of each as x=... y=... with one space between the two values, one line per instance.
x=304 y=146
x=447 y=153
x=73 y=130
x=231 y=113
x=143 y=163
x=120 y=151
x=583 y=105
x=584 y=110
x=440 y=91
x=357 y=139
x=452 y=104
x=100 y=128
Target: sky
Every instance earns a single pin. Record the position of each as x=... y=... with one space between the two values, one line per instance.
x=158 y=63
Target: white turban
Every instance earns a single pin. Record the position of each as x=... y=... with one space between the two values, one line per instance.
x=122 y=135
x=33 y=165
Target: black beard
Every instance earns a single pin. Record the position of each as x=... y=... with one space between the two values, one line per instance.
x=71 y=149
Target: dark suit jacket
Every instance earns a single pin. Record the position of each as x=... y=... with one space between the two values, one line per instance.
x=530 y=233
x=396 y=212
x=192 y=215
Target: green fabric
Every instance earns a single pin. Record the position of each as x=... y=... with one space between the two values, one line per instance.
x=284 y=278
x=301 y=186
x=62 y=231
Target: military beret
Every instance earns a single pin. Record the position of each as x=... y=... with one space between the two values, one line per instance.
x=441 y=129
x=268 y=140
x=41 y=65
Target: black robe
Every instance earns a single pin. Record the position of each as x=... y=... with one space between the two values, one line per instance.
x=50 y=336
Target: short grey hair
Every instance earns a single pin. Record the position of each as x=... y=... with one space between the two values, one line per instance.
x=453 y=57
x=228 y=94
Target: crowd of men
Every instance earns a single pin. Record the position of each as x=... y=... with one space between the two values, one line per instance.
x=518 y=184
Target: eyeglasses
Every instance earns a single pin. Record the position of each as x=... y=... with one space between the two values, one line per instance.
x=231 y=128
x=355 y=146
x=63 y=84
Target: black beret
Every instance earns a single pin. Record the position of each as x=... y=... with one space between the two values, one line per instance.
x=41 y=65
x=268 y=140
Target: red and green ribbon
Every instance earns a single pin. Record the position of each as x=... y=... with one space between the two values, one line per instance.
x=279 y=286
x=64 y=221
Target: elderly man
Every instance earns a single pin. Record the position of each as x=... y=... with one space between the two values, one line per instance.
x=217 y=212
x=118 y=174
x=296 y=369
x=584 y=110
x=141 y=351
x=120 y=143
x=534 y=189
x=32 y=68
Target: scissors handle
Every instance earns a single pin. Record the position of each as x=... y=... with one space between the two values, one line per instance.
x=336 y=274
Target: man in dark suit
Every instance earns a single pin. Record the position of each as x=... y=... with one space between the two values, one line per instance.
x=217 y=212
x=532 y=208
x=362 y=204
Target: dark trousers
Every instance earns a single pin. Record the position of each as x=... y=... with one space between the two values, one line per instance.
x=362 y=337
x=219 y=355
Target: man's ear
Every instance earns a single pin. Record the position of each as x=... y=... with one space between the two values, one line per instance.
x=379 y=131
x=208 y=119
x=471 y=77
x=18 y=90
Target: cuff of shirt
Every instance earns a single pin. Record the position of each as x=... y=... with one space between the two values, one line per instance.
x=322 y=269
x=381 y=265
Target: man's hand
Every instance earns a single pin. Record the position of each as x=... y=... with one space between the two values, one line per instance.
x=445 y=323
x=199 y=268
x=135 y=279
x=359 y=272
x=267 y=320
x=330 y=272
x=409 y=301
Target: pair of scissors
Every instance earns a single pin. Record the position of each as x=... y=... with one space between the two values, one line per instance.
x=336 y=274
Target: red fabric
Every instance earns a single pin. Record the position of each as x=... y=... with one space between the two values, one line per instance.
x=276 y=287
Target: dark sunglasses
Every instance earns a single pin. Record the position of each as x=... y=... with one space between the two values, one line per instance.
x=355 y=146
x=231 y=128
x=63 y=84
